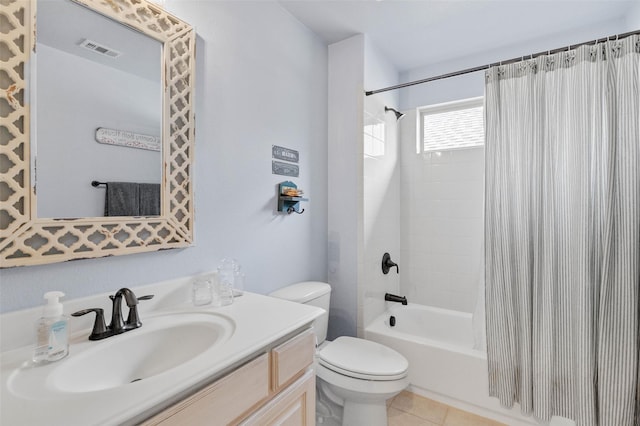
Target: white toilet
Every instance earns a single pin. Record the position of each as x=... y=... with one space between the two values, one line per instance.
x=355 y=377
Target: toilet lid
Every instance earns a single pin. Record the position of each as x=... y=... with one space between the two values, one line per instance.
x=363 y=359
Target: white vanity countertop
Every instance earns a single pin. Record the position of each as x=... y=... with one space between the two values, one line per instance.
x=258 y=321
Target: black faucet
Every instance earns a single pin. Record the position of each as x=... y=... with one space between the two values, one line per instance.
x=118 y=325
x=393 y=298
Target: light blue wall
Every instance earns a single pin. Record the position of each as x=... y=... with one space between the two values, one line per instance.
x=261 y=80
x=379 y=72
x=472 y=85
x=633 y=18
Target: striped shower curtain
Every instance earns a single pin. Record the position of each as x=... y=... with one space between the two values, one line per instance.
x=562 y=234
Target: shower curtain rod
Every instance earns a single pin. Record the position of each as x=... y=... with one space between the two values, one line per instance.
x=484 y=67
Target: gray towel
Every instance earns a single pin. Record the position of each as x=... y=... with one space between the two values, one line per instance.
x=122 y=199
x=132 y=199
x=149 y=199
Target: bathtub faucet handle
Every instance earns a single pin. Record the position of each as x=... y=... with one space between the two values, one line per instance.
x=387 y=264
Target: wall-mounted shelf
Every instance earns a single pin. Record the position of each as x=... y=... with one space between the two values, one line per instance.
x=288 y=203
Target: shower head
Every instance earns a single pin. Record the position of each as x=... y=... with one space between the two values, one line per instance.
x=398 y=114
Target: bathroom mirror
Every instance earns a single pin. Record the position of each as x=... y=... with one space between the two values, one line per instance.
x=108 y=76
x=30 y=238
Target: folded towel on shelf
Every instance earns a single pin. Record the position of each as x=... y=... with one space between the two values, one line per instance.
x=132 y=199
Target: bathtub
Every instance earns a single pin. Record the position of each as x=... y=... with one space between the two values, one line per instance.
x=443 y=365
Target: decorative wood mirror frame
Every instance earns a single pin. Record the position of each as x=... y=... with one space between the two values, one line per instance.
x=27 y=240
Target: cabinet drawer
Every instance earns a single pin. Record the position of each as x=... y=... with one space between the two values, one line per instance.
x=290 y=359
x=295 y=406
x=222 y=402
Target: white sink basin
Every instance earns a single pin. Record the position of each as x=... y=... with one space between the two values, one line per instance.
x=162 y=343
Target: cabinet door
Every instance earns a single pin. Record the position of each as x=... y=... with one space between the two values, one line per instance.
x=295 y=406
x=290 y=359
x=223 y=401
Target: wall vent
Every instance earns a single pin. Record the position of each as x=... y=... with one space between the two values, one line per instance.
x=99 y=48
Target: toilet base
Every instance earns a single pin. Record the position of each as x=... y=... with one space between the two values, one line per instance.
x=328 y=406
x=347 y=413
x=353 y=402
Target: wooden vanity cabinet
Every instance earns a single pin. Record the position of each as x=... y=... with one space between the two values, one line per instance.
x=294 y=406
x=276 y=387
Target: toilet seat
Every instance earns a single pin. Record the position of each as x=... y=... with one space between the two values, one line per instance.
x=363 y=359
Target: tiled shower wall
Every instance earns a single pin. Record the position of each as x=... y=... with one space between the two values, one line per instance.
x=441 y=223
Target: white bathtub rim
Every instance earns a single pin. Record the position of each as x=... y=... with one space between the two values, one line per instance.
x=421 y=340
x=451 y=312
x=379 y=327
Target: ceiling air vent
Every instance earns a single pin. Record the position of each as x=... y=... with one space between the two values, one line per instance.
x=99 y=48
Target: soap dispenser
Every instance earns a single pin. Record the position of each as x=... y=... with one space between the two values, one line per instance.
x=52 y=343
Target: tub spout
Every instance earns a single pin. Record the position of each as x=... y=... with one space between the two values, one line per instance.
x=393 y=298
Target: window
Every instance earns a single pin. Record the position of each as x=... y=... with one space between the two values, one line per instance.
x=453 y=125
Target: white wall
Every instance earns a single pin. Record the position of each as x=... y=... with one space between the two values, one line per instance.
x=71 y=105
x=381 y=189
x=345 y=204
x=364 y=200
x=261 y=79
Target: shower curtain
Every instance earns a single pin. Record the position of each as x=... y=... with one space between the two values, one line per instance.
x=562 y=234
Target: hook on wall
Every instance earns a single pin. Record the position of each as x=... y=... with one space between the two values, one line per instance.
x=289 y=198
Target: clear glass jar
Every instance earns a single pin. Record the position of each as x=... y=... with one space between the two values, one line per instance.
x=202 y=291
x=222 y=292
x=229 y=273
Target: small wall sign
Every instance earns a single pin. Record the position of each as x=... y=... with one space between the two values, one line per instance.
x=128 y=139
x=286 y=154
x=284 y=169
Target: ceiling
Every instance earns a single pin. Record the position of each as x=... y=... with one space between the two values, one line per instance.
x=415 y=33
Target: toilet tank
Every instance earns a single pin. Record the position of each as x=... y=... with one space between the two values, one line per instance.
x=312 y=293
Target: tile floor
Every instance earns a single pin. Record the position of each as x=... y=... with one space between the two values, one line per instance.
x=409 y=409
